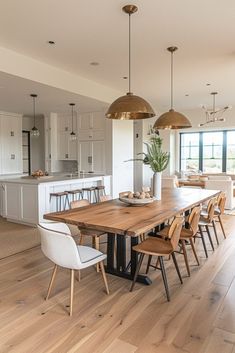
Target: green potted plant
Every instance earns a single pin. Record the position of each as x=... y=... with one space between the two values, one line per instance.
x=158 y=161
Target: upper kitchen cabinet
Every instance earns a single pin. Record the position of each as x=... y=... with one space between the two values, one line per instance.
x=10 y=143
x=91 y=126
x=67 y=148
x=65 y=123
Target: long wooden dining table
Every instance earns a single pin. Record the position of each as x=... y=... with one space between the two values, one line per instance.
x=123 y=222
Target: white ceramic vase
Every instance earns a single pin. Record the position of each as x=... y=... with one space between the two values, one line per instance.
x=157 y=185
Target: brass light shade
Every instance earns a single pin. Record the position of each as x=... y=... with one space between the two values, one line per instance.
x=172 y=119
x=130 y=106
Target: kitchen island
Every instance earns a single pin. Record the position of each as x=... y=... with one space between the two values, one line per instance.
x=25 y=200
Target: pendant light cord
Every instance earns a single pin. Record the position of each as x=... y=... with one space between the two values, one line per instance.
x=72 y=118
x=129 y=53
x=34 y=110
x=172 y=83
x=213 y=105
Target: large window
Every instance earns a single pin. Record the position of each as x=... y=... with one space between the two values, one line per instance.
x=230 y=152
x=210 y=152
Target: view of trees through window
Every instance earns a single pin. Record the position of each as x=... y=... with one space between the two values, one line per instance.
x=209 y=152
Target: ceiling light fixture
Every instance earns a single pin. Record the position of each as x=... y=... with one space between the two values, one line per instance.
x=51 y=42
x=72 y=133
x=130 y=106
x=172 y=119
x=34 y=132
x=213 y=115
x=94 y=63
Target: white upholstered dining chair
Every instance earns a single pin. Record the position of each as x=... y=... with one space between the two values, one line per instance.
x=58 y=245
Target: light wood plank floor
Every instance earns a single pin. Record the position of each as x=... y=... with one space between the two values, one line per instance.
x=199 y=319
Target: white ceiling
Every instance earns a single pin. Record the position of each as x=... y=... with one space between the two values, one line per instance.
x=90 y=30
x=15 y=97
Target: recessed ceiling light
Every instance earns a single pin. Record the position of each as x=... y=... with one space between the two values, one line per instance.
x=186 y=95
x=94 y=63
x=125 y=77
x=208 y=84
x=51 y=42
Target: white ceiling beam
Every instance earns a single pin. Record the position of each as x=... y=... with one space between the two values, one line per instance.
x=23 y=66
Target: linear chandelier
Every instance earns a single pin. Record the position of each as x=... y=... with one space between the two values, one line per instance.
x=213 y=115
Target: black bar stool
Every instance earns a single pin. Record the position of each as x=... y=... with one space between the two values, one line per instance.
x=62 y=200
x=100 y=191
x=76 y=194
x=90 y=193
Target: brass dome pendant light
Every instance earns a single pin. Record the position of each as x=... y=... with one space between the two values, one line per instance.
x=130 y=106
x=172 y=119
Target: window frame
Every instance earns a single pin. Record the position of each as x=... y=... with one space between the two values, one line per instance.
x=224 y=147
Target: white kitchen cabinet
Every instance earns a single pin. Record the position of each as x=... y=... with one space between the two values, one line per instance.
x=67 y=148
x=65 y=123
x=94 y=120
x=10 y=143
x=91 y=156
x=2 y=200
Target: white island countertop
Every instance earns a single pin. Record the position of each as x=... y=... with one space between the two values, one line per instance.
x=52 y=178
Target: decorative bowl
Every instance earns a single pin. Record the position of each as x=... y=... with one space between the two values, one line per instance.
x=135 y=201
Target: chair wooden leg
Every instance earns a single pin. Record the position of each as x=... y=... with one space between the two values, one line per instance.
x=185 y=256
x=215 y=231
x=209 y=236
x=97 y=247
x=51 y=281
x=203 y=240
x=104 y=276
x=71 y=293
x=148 y=264
x=137 y=271
x=177 y=267
x=222 y=226
x=81 y=240
x=163 y=272
x=194 y=251
x=79 y=276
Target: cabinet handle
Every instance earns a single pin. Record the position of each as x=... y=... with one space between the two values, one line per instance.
x=66 y=155
x=90 y=159
x=12 y=133
x=13 y=156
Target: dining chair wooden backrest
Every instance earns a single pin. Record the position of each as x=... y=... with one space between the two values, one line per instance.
x=211 y=208
x=79 y=203
x=221 y=202
x=175 y=230
x=194 y=219
x=104 y=198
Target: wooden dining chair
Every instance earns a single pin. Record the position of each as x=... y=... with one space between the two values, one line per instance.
x=207 y=220
x=219 y=211
x=187 y=234
x=160 y=247
x=58 y=245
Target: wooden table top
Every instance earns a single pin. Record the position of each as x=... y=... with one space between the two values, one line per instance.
x=116 y=217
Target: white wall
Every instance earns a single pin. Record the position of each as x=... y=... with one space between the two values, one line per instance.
x=122 y=150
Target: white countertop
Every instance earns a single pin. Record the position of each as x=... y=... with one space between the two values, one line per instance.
x=54 y=178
